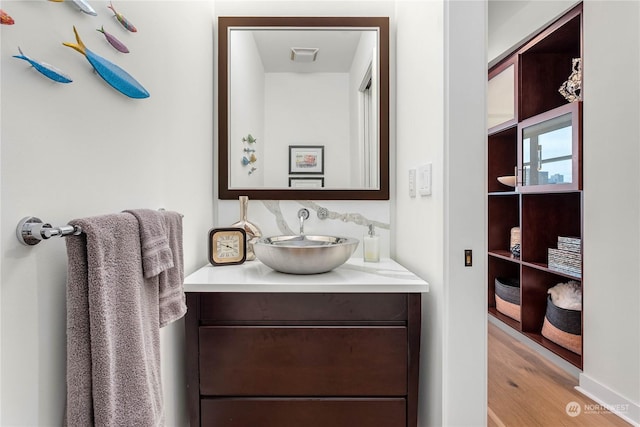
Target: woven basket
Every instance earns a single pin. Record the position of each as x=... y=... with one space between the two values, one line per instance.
x=508 y=297
x=508 y=308
x=563 y=327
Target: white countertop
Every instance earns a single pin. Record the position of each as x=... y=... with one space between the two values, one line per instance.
x=353 y=276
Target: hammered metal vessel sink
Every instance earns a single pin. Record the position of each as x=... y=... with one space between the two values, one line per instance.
x=304 y=254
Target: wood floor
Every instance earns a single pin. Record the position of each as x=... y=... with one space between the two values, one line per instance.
x=527 y=390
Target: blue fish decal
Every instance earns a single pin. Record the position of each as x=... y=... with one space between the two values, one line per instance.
x=118 y=78
x=45 y=69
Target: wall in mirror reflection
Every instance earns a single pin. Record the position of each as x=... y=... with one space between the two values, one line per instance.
x=334 y=109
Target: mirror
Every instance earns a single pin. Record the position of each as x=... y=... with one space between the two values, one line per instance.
x=303 y=108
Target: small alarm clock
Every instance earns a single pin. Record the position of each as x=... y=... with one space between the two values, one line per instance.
x=227 y=246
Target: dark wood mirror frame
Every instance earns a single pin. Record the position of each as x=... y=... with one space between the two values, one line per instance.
x=224 y=192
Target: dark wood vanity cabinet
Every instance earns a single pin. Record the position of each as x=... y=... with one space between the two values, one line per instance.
x=303 y=359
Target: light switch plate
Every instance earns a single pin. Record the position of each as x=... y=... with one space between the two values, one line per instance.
x=412 y=183
x=424 y=179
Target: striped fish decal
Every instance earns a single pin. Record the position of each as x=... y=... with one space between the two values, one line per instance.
x=122 y=20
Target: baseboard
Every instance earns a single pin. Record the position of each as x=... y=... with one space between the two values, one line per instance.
x=609 y=400
x=547 y=354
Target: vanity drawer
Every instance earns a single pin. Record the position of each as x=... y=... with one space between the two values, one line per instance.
x=307 y=412
x=270 y=307
x=303 y=361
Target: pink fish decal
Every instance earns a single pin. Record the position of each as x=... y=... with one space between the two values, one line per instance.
x=113 y=41
x=5 y=19
x=121 y=19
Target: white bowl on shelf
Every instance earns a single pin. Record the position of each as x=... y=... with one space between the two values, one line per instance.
x=509 y=180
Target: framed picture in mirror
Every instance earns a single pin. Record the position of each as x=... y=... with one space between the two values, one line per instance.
x=306 y=182
x=306 y=159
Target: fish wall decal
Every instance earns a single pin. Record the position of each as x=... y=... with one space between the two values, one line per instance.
x=118 y=78
x=5 y=19
x=122 y=20
x=45 y=69
x=82 y=5
x=113 y=41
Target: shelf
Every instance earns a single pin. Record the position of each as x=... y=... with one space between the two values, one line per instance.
x=502 y=158
x=545 y=267
x=504 y=254
x=568 y=355
x=544 y=145
x=503 y=193
x=503 y=214
x=545 y=217
x=505 y=319
x=546 y=62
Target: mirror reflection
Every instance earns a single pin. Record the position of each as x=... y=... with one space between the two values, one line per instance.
x=303 y=108
x=303 y=87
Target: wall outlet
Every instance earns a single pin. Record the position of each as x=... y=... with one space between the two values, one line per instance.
x=424 y=180
x=412 y=183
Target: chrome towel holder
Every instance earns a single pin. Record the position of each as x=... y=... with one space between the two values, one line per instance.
x=31 y=231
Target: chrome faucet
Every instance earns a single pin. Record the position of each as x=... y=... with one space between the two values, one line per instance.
x=302 y=215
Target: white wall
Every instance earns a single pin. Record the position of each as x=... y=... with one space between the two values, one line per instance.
x=307 y=109
x=512 y=21
x=612 y=210
x=442 y=122
x=611 y=132
x=83 y=149
x=419 y=232
x=366 y=55
x=246 y=109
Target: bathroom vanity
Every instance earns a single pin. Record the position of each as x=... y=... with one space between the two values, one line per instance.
x=337 y=349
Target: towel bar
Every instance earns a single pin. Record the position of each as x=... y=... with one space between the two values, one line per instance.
x=32 y=230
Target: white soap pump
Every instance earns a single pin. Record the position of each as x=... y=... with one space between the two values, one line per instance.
x=371 y=246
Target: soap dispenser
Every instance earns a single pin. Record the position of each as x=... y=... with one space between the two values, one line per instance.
x=371 y=246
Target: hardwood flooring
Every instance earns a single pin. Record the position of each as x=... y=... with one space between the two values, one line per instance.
x=527 y=390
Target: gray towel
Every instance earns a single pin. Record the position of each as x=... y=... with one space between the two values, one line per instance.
x=113 y=339
x=156 y=253
x=162 y=256
x=173 y=304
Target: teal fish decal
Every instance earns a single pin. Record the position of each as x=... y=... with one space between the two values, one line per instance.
x=118 y=78
x=45 y=69
x=249 y=138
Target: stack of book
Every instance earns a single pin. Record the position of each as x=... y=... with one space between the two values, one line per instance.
x=567 y=258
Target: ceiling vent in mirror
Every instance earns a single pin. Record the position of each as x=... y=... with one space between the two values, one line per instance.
x=304 y=54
